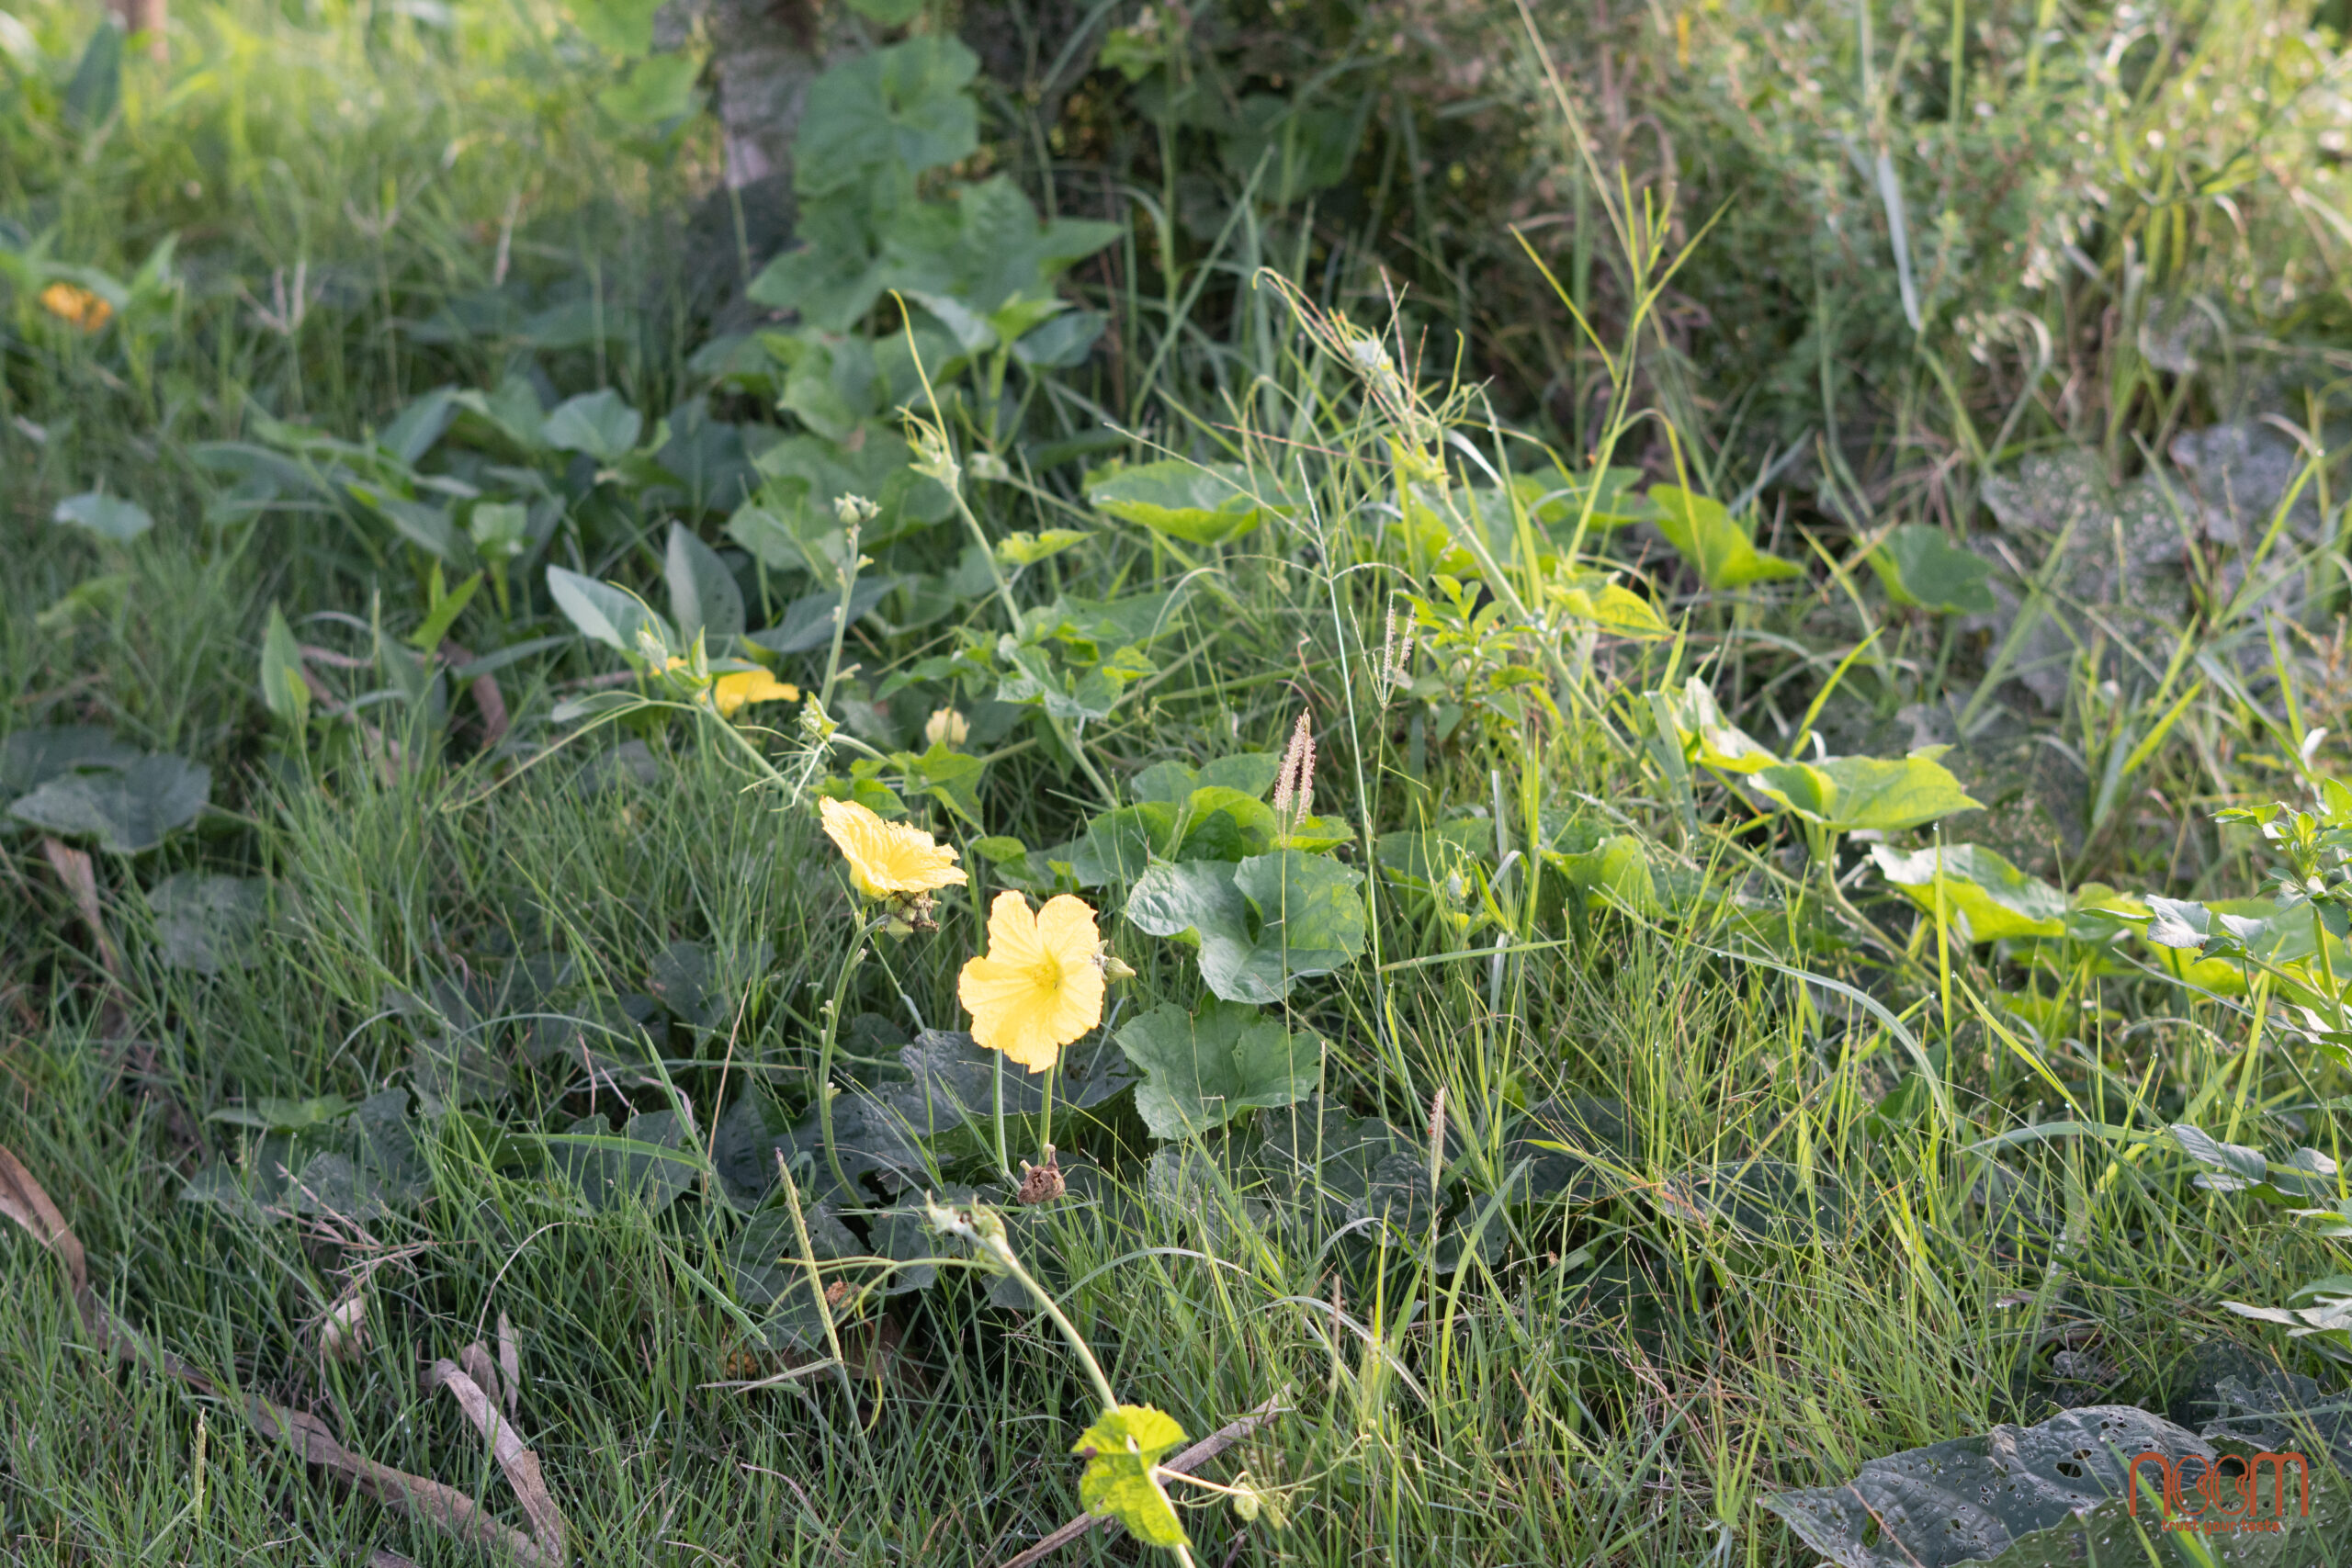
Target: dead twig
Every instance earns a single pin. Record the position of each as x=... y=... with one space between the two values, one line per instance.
x=1184 y=1463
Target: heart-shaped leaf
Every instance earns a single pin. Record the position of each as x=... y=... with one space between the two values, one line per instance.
x=107 y=516
x=1922 y=570
x=598 y=424
x=704 y=599
x=1708 y=537
x=1991 y=900
x=1201 y=1071
x=1846 y=793
x=1263 y=923
x=130 y=809
x=604 y=614
x=1200 y=504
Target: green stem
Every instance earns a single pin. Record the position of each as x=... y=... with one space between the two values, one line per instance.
x=1001 y=1251
x=825 y=1055
x=850 y=563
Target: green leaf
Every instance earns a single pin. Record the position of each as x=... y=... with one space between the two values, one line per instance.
x=2015 y=1497
x=30 y=758
x=1618 y=611
x=269 y=1115
x=887 y=13
x=1200 y=1072
x=657 y=90
x=1709 y=540
x=618 y=27
x=1121 y=1449
x=1028 y=549
x=427 y=528
x=1707 y=737
x=283 y=690
x=651 y=1162
x=444 y=612
x=903 y=107
x=1846 y=793
x=1201 y=505
x=1922 y=570
x=1262 y=924
x=1991 y=900
x=604 y=614
x=207 y=923
x=107 y=516
x=130 y=809
x=704 y=599
x=598 y=424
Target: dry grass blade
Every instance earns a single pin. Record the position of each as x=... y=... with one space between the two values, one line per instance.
x=480 y=1401
x=73 y=869
x=1184 y=1463
x=509 y=1362
x=23 y=1201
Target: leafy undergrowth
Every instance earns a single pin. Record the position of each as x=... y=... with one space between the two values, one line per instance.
x=903 y=933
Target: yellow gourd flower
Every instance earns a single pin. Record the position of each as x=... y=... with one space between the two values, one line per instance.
x=889 y=860
x=72 y=303
x=729 y=693
x=1041 y=985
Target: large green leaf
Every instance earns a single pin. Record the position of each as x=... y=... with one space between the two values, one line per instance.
x=606 y=613
x=704 y=599
x=1121 y=1449
x=1922 y=570
x=1263 y=923
x=30 y=758
x=598 y=424
x=905 y=106
x=130 y=807
x=651 y=1162
x=1707 y=737
x=1202 y=504
x=107 y=516
x=1710 y=541
x=207 y=923
x=622 y=27
x=658 y=89
x=1201 y=1071
x=1007 y=251
x=2031 y=1498
x=1991 y=900
x=1846 y=793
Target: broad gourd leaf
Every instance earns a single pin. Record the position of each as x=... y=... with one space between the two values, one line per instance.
x=658 y=88
x=1201 y=1071
x=2015 y=1497
x=1251 y=772
x=30 y=758
x=128 y=808
x=107 y=516
x=1121 y=1449
x=1991 y=900
x=207 y=923
x=619 y=26
x=604 y=614
x=598 y=424
x=704 y=599
x=1707 y=537
x=1706 y=736
x=1006 y=252
x=1921 y=570
x=1263 y=923
x=1199 y=504
x=651 y=1162
x=1846 y=793
x=906 y=106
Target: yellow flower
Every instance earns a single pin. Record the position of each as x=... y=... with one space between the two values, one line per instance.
x=1041 y=985
x=72 y=303
x=947 y=727
x=887 y=860
x=731 y=692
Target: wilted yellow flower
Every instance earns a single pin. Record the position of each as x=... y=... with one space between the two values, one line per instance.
x=947 y=727
x=729 y=693
x=72 y=303
x=887 y=860
x=1041 y=985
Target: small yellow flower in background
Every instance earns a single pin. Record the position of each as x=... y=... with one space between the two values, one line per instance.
x=729 y=693
x=947 y=727
x=889 y=860
x=1041 y=985
x=77 y=306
